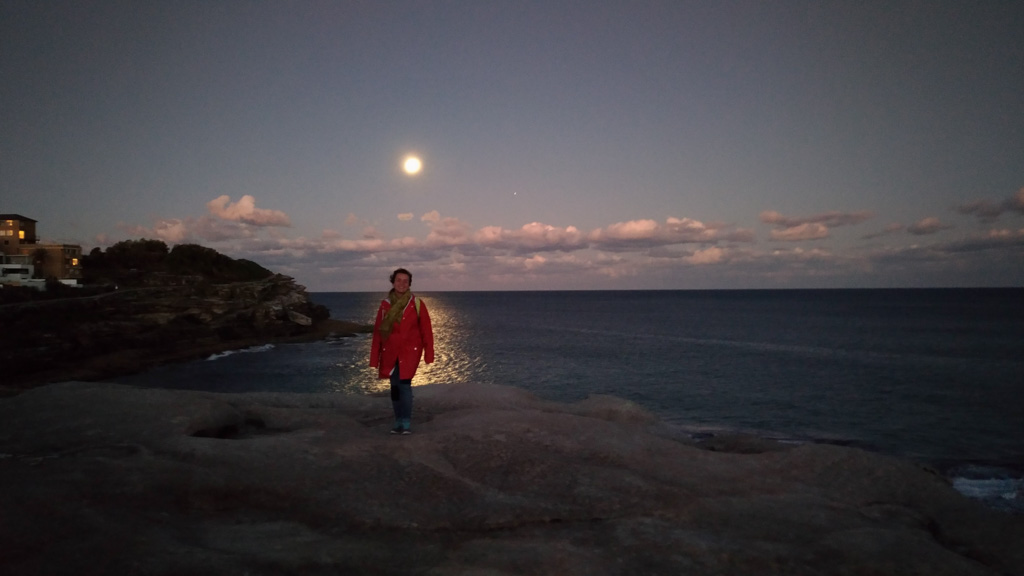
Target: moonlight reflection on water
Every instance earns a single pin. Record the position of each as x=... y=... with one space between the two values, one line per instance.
x=454 y=361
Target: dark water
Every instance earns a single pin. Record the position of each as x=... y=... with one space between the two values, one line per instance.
x=934 y=375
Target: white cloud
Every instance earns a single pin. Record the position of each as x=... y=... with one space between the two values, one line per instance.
x=1016 y=203
x=675 y=252
x=530 y=237
x=171 y=231
x=632 y=230
x=985 y=210
x=534 y=262
x=807 y=231
x=191 y=230
x=712 y=255
x=929 y=225
x=446 y=231
x=405 y=217
x=812 y=227
x=538 y=235
x=832 y=218
x=989 y=211
x=991 y=239
x=489 y=235
x=214 y=230
x=638 y=234
x=245 y=210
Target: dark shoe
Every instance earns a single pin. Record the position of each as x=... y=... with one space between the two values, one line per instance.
x=406 y=431
x=396 y=430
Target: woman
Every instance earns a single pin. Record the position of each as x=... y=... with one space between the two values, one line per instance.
x=401 y=336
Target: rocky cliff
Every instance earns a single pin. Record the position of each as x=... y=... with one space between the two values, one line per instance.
x=106 y=479
x=135 y=328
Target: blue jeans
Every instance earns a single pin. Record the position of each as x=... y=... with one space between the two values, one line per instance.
x=401 y=397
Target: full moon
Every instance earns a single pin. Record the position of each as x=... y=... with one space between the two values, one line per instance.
x=412 y=165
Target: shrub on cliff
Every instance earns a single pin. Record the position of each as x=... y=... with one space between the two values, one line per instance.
x=149 y=262
x=140 y=254
x=127 y=262
x=199 y=260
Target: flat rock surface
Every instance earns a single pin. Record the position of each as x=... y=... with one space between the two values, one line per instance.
x=98 y=478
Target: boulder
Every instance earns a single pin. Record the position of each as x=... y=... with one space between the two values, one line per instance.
x=98 y=478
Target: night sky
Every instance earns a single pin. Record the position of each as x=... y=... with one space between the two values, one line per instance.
x=564 y=145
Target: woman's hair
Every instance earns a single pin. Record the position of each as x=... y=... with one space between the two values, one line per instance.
x=401 y=271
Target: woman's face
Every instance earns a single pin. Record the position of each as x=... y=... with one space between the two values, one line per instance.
x=401 y=283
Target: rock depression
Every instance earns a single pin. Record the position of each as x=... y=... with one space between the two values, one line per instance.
x=103 y=479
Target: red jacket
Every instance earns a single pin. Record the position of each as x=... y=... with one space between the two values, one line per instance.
x=410 y=340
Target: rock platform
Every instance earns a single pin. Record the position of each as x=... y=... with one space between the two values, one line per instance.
x=97 y=478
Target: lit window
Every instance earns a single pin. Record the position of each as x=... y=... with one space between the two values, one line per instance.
x=21 y=234
x=74 y=261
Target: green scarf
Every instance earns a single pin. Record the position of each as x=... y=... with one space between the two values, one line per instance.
x=394 y=315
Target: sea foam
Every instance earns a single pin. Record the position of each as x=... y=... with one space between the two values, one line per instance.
x=262 y=348
x=1001 y=493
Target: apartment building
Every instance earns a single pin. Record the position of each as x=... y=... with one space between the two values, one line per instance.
x=20 y=245
x=16 y=231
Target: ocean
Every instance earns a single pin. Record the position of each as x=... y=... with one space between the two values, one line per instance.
x=935 y=375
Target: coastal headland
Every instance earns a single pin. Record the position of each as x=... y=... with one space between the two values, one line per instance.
x=98 y=478
x=150 y=306
x=136 y=329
